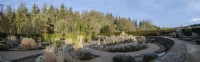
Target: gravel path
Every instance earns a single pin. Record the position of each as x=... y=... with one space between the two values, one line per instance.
x=107 y=56
x=104 y=56
x=16 y=55
x=193 y=51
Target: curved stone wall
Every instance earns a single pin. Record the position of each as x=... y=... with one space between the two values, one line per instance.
x=176 y=50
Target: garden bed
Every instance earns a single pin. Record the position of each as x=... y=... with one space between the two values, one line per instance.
x=124 y=47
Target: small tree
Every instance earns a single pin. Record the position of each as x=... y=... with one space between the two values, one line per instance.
x=106 y=30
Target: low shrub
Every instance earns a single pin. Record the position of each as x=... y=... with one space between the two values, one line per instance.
x=114 y=40
x=3 y=47
x=187 y=32
x=127 y=48
x=123 y=58
x=84 y=55
x=149 y=57
x=28 y=43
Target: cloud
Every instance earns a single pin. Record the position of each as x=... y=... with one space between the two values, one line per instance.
x=195 y=5
x=195 y=20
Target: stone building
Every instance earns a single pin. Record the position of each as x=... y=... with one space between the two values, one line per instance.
x=194 y=32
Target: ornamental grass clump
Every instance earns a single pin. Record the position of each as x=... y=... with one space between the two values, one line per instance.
x=80 y=38
x=99 y=43
x=11 y=41
x=104 y=43
x=50 y=55
x=141 y=40
x=78 y=46
x=68 y=41
x=123 y=33
x=28 y=44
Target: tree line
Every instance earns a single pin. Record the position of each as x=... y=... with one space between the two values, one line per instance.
x=65 y=20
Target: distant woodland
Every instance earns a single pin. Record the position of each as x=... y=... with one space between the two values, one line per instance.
x=65 y=20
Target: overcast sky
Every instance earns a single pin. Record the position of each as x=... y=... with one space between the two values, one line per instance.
x=164 y=13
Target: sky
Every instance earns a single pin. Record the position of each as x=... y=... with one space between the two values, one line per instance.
x=163 y=13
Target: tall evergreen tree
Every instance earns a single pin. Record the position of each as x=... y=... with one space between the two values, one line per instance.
x=146 y=25
x=36 y=21
x=70 y=20
x=66 y=20
x=62 y=12
x=52 y=19
x=10 y=20
x=44 y=9
x=77 y=20
x=35 y=9
x=22 y=18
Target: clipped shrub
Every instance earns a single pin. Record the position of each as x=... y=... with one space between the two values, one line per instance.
x=149 y=57
x=3 y=47
x=123 y=58
x=127 y=48
x=84 y=55
x=27 y=43
x=187 y=32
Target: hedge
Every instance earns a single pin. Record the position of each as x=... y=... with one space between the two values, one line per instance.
x=148 y=33
x=46 y=37
x=187 y=32
x=196 y=30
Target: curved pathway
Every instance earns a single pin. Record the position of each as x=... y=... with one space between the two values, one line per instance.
x=104 y=56
x=193 y=51
x=107 y=56
x=18 y=55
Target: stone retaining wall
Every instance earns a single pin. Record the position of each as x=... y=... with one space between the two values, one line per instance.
x=176 y=50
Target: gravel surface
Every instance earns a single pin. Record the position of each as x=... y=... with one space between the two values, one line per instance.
x=104 y=56
x=193 y=50
x=107 y=56
x=177 y=53
x=17 y=55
